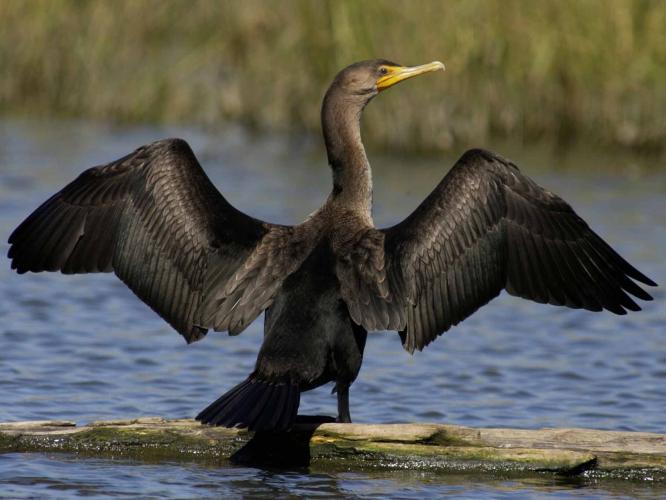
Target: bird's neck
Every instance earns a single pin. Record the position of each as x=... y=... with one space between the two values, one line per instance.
x=352 y=177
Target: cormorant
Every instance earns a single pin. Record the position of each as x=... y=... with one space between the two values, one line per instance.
x=154 y=218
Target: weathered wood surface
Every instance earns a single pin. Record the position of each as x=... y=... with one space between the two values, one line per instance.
x=631 y=455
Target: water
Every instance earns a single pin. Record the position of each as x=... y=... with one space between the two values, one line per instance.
x=84 y=348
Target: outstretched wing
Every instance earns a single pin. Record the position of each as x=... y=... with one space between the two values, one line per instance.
x=156 y=220
x=487 y=227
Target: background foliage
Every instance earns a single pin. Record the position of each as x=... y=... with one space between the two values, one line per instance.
x=555 y=70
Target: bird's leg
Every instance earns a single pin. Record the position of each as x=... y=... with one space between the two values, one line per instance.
x=343 y=403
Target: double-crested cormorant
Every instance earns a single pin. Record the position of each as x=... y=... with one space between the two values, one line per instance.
x=155 y=219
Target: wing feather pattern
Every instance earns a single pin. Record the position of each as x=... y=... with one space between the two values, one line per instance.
x=486 y=227
x=155 y=219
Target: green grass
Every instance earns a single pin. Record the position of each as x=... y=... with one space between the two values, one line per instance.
x=584 y=70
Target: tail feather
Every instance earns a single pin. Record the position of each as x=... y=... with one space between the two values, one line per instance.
x=280 y=404
x=255 y=404
x=264 y=418
x=216 y=410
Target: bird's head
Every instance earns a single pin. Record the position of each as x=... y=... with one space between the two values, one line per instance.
x=351 y=90
x=364 y=80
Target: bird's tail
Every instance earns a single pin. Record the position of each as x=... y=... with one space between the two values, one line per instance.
x=255 y=404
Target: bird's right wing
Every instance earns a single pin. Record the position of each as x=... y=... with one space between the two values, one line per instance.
x=156 y=220
x=487 y=227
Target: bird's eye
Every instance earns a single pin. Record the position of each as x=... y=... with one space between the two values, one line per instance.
x=383 y=70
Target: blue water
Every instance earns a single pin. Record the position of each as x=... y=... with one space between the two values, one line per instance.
x=84 y=348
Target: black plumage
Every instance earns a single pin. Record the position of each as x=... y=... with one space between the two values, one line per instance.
x=155 y=219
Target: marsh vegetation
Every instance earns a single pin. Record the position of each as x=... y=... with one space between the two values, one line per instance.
x=533 y=71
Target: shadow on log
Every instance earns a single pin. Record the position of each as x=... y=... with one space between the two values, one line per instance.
x=281 y=449
x=331 y=446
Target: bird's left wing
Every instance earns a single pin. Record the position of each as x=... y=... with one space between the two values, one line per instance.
x=156 y=220
x=487 y=227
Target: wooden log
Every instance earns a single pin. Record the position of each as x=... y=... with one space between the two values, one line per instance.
x=630 y=455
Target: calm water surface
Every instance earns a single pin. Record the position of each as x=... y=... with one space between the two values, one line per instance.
x=84 y=348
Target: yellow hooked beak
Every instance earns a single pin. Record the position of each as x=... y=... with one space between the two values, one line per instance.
x=396 y=74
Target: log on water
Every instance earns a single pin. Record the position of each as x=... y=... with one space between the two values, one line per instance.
x=630 y=455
